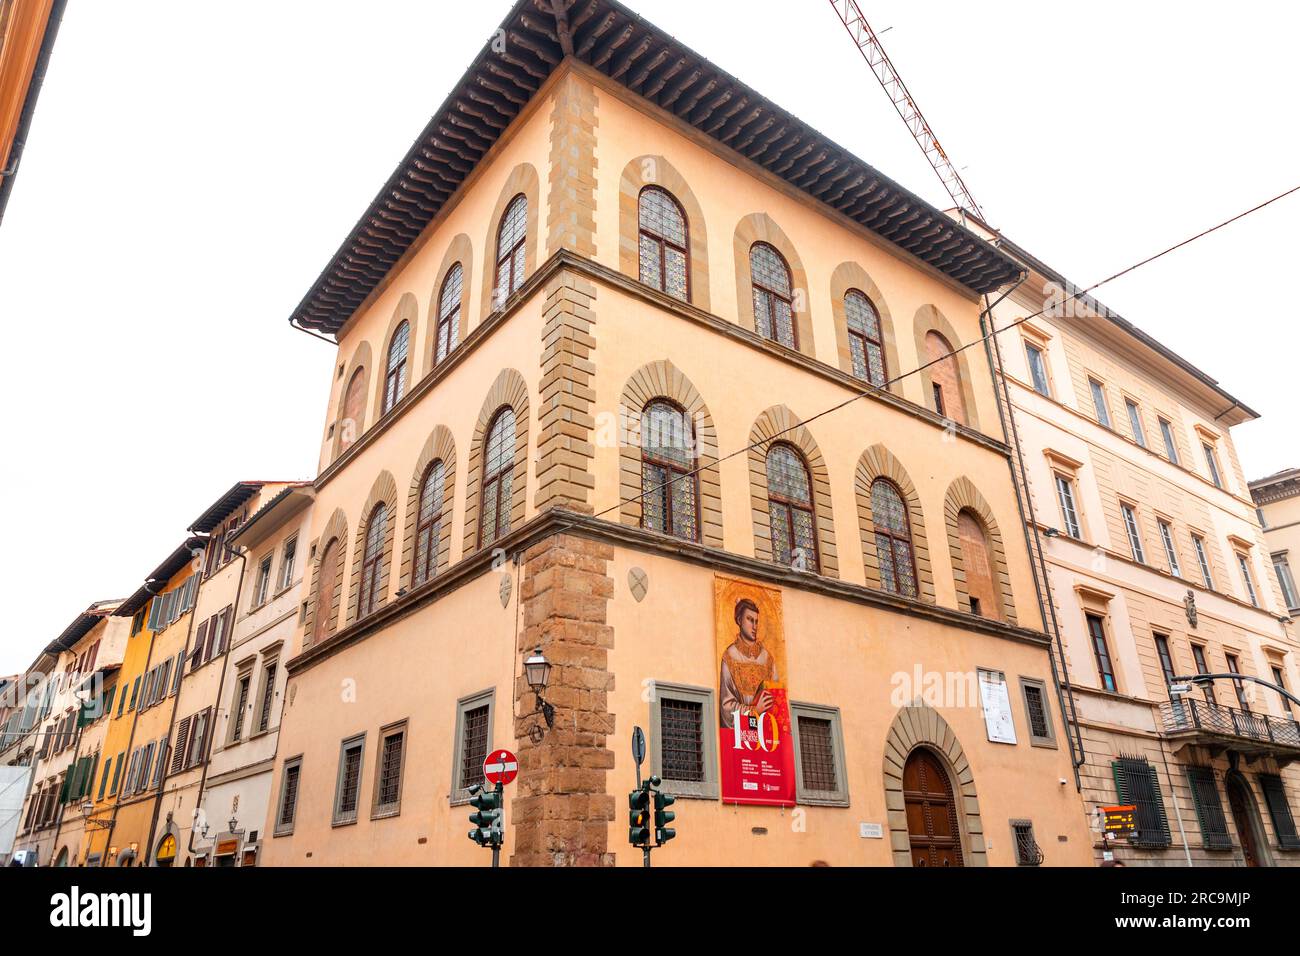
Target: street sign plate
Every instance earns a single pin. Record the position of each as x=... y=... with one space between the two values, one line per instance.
x=500 y=766
x=638 y=745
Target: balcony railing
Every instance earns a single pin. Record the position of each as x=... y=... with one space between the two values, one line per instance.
x=1190 y=714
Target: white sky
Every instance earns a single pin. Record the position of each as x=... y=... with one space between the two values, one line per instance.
x=192 y=167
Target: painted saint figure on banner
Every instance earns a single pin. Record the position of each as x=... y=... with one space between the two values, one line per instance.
x=748 y=669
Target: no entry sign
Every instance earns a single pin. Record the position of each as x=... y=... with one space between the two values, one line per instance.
x=500 y=766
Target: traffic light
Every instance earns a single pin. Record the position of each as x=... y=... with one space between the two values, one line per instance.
x=638 y=817
x=663 y=817
x=487 y=816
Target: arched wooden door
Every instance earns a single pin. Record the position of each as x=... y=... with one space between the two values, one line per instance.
x=931 y=811
x=1241 y=803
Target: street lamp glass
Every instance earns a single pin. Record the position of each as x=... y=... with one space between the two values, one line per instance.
x=537 y=671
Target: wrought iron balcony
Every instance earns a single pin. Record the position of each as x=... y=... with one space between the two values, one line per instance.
x=1228 y=728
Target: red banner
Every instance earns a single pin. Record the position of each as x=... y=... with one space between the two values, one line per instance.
x=755 y=739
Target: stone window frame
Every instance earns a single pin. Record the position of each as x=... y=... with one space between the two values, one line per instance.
x=655 y=170
x=521 y=180
x=277 y=829
x=839 y=797
x=848 y=277
x=709 y=787
x=663 y=380
x=510 y=389
x=962 y=495
x=1040 y=339
x=919 y=725
x=928 y=319
x=360 y=362
x=408 y=311
x=380 y=811
x=336 y=530
x=383 y=491
x=780 y=424
x=878 y=462
x=336 y=817
x=1034 y=740
x=459 y=795
x=439 y=446
x=760 y=227
x=459 y=251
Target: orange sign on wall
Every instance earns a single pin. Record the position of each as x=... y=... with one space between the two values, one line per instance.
x=755 y=745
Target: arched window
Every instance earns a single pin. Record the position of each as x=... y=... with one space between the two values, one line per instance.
x=326 y=586
x=671 y=501
x=395 y=374
x=980 y=586
x=789 y=492
x=449 y=313
x=428 y=528
x=866 y=344
x=372 y=561
x=498 y=475
x=510 y=249
x=945 y=378
x=354 y=407
x=893 y=538
x=662 y=231
x=773 y=300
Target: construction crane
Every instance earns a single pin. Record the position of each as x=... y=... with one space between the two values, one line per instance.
x=868 y=44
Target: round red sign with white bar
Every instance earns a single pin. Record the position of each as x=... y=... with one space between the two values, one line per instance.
x=500 y=766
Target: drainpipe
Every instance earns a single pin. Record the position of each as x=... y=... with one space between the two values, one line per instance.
x=293 y=323
x=176 y=702
x=1037 y=560
x=242 y=555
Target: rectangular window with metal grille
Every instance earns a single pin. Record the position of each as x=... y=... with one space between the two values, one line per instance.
x=682 y=739
x=1209 y=809
x=388 y=782
x=1028 y=852
x=817 y=754
x=288 y=797
x=474 y=742
x=1279 y=809
x=348 y=791
x=1040 y=727
x=1137 y=783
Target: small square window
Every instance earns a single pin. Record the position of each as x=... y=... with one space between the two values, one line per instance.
x=1028 y=852
x=388 y=771
x=347 y=791
x=819 y=755
x=473 y=740
x=290 y=785
x=1038 y=713
x=684 y=740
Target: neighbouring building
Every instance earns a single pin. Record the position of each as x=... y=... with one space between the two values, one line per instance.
x=246 y=720
x=27 y=32
x=1158 y=570
x=590 y=335
x=69 y=734
x=203 y=674
x=1278 y=499
x=28 y=698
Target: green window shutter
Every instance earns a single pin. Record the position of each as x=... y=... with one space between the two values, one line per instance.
x=1209 y=809
x=1280 y=810
x=63 y=788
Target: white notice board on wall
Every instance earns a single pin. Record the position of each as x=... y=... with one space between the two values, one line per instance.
x=997 y=707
